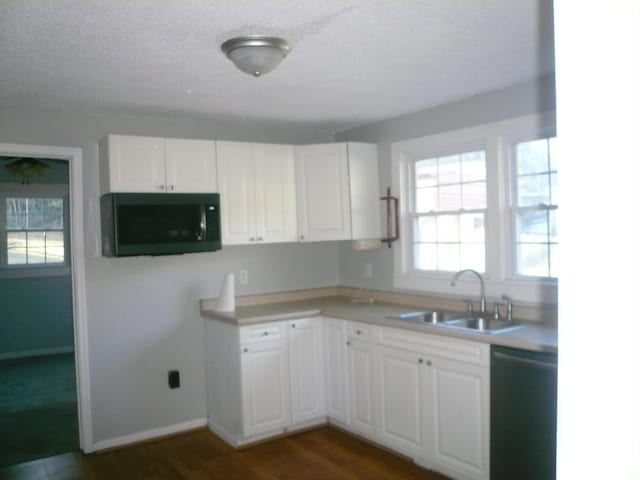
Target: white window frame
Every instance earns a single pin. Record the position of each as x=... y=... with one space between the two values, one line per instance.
x=8 y=190
x=496 y=139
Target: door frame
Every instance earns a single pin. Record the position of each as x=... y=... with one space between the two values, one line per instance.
x=78 y=282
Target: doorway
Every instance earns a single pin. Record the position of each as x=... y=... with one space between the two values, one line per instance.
x=44 y=384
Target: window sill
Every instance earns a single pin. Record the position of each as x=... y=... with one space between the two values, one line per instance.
x=39 y=271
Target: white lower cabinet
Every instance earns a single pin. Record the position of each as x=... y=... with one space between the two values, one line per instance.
x=265 y=387
x=402 y=400
x=335 y=370
x=306 y=364
x=458 y=422
x=362 y=390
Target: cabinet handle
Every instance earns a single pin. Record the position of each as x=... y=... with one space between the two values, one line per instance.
x=420 y=360
x=259 y=239
x=170 y=187
x=348 y=343
x=252 y=239
x=359 y=332
x=428 y=363
x=161 y=187
x=301 y=237
x=266 y=333
x=293 y=325
x=245 y=350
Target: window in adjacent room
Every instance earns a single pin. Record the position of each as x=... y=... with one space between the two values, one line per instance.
x=34 y=231
x=535 y=208
x=449 y=212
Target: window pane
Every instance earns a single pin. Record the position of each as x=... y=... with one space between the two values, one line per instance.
x=532 y=157
x=473 y=166
x=426 y=199
x=554 y=188
x=426 y=173
x=553 y=154
x=472 y=256
x=532 y=226
x=53 y=213
x=474 y=195
x=533 y=190
x=55 y=247
x=472 y=228
x=16 y=248
x=449 y=169
x=449 y=257
x=425 y=256
x=533 y=260
x=36 y=252
x=16 y=213
x=448 y=228
x=450 y=198
x=553 y=231
x=426 y=229
x=553 y=260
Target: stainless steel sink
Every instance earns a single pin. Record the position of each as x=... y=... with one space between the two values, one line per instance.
x=422 y=317
x=474 y=323
x=481 y=324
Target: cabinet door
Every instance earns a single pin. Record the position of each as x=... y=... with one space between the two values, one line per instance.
x=191 y=166
x=401 y=400
x=322 y=178
x=307 y=369
x=275 y=193
x=335 y=354
x=364 y=190
x=362 y=413
x=458 y=431
x=265 y=387
x=237 y=192
x=135 y=164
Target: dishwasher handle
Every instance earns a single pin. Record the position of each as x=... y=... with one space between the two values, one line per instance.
x=526 y=361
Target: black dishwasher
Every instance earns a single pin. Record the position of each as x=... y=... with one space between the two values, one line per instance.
x=523 y=414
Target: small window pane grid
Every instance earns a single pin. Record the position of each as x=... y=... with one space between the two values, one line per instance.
x=536 y=205
x=34 y=231
x=449 y=212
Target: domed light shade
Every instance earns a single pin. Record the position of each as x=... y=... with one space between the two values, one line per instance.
x=255 y=54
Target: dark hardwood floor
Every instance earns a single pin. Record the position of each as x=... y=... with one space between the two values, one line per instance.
x=325 y=453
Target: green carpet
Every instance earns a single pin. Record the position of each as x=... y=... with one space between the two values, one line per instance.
x=38 y=410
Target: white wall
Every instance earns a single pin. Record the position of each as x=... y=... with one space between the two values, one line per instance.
x=143 y=316
x=517 y=101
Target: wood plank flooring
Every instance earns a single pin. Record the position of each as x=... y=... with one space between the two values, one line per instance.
x=324 y=453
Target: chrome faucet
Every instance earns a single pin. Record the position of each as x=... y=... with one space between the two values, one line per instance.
x=483 y=300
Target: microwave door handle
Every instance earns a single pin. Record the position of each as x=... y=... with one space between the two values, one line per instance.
x=203 y=222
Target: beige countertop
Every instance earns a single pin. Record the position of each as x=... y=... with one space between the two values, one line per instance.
x=530 y=336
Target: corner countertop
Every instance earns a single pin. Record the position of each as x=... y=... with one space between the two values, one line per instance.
x=530 y=336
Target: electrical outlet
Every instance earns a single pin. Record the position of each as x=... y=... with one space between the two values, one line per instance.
x=244 y=277
x=367 y=271
x=174 y=379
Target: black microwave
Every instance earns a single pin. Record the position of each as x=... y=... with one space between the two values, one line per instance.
x=159 y=223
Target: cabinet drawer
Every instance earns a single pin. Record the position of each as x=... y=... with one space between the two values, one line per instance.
x=437 y=345
x=263 y=332
x=361 y=331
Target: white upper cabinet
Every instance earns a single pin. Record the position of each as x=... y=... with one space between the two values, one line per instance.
x=191 y=165
x=337 y=191
x=257 y=188
x=153 y=165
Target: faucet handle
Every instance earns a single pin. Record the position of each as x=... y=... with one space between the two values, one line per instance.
x=469 y=303
x=509 y=307
x=496 y=310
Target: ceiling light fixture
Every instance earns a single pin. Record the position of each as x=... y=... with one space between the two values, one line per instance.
x=255 y=54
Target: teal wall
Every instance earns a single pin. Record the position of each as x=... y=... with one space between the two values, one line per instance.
x=35 y=314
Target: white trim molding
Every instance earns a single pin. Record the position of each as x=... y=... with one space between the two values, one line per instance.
x=76 y=215
x=150 y=434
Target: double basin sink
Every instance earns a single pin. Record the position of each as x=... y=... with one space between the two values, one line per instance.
x=474 y=322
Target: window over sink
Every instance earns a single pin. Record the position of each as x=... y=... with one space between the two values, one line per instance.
x=483 y=198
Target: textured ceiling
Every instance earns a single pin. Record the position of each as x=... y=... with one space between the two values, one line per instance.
x=352 y=62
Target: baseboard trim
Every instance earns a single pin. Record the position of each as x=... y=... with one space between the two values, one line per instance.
x=38 y=352
x=147 y=435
